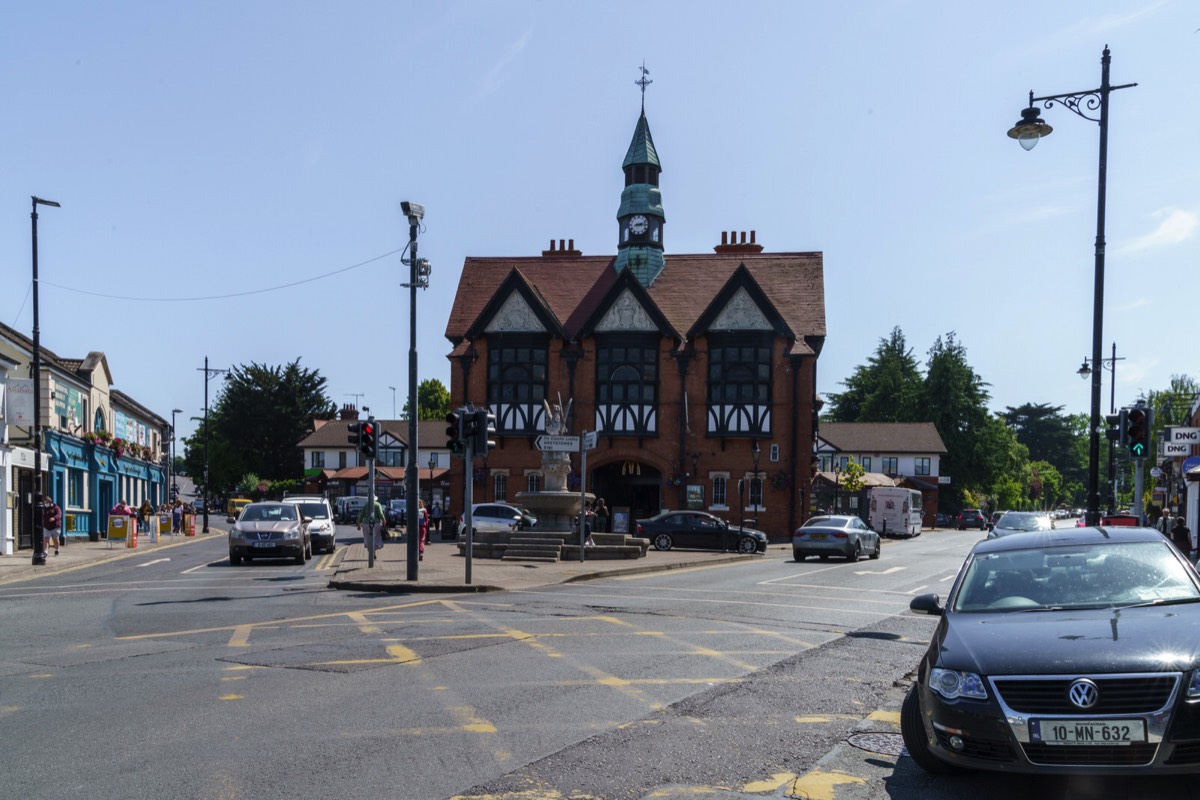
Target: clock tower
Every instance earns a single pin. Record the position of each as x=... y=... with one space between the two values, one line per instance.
x=640 y=218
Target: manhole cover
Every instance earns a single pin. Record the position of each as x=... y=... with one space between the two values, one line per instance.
x=888 y=744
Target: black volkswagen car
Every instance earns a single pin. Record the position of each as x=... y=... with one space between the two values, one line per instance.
x=699 y=529
x=1066 y=651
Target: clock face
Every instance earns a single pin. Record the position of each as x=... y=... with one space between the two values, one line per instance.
x=639 y=225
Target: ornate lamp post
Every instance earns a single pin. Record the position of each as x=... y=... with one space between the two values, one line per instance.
x=837 y=487
x=171 y=459
x=756 y=452
x=1028 y=130
x=1085 y=372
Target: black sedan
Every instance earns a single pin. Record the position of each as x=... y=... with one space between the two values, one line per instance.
x=698 y=529
x=1071 y=651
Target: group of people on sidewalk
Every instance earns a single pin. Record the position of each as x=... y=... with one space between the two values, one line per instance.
x=146 y=513
x=1175 y=529
x=375 y=520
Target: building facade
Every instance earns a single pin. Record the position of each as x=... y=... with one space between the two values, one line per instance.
x=99 y=445
x=698 y=371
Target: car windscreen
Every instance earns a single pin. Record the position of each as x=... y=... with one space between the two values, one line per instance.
x=1023 y=522
x=268 y=513
x=314 y=510
x=1091 y=576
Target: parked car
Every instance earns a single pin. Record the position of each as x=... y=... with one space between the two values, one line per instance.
x=971 y=518
x=1103 y=678
x=699 y=529
x=492 y=518
x=269 y=530
x=1019 y=522
x=321 y=531
x=945 y=520
x=836 y=535
x=347 y=509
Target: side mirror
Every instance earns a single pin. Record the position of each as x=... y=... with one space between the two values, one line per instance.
x=990 y=526
x=927 y=604
x=230 y=520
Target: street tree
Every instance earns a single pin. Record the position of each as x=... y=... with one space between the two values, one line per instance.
x=1050 y=437
x=433 y=400
x=885 y=389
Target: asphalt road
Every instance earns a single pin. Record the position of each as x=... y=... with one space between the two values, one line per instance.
x=188 y=678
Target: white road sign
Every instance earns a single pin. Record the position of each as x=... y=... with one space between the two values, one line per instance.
x=589 y=440
x=1189 y=435
x=557 y=444
x=1176 y=449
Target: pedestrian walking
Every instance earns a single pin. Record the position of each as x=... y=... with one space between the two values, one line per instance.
x=372 y=515
x=601 y=512
x=177 y=517
x=144 y=513
x=423 y=527
x=51 y=525
x=1181 y=536
x=435 y=517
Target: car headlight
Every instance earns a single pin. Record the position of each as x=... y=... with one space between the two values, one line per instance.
x=293 y=533
x=952 y=684
x=1193 y=690
x=234 y=533
x=318 y=527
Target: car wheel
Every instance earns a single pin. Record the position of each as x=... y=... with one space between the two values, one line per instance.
x=747 y=545
x=878 y=547
x=234 y=559
x=662 y=542
x=857 y=554
x=308 y=551
x=912 y=730
x=300 y=556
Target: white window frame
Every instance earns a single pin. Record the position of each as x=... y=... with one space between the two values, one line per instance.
x=713 y=478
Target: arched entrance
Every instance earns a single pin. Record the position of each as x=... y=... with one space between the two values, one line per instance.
x=632 y=487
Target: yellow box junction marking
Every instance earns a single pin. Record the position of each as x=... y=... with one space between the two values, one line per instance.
x=819 y=785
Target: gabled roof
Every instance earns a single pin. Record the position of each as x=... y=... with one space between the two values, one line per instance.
x=572 y=287
x=593 y=312
x=333 y=434
x=882 y=437
x=868 y=479
x=740 y=279
x=516 y=282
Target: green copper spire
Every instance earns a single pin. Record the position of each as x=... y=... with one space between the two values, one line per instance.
x=640 y=217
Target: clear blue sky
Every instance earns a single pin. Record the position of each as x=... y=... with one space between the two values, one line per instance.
x=202 y=150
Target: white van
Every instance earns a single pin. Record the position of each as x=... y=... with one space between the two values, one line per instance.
x=895 y=511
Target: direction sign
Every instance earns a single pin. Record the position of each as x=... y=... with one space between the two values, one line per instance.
x=1189 y=435
x=557 y=444
x=1176 y=449
x=589 y=440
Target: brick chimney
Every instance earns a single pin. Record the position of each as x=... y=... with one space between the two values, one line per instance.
x=349 y=413
x=730 y=244
x=566 y=248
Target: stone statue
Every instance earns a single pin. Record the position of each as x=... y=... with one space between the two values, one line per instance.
x=555 y=466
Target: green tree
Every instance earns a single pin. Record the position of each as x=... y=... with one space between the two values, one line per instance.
x=885 y=389
x=1050 y=437
x=852 y=478
x=433 y=400
x=256 y=423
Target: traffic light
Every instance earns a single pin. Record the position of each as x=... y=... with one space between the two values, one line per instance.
x=1137 y=431
x=470 y=427
x=485 y=429
x=355 y=437
x=454 y=442
x=1116 y=427
x=370 y=439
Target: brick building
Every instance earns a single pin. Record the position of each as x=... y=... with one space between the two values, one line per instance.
x=686 y=365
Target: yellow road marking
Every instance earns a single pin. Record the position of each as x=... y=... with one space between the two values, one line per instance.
x=234 y=678
x=241 y=636
x=399 y=652
x=885 y=716
x=819 y=785
x=43 y=675
x=231 y=697
x=471 y=720
x=770 y=784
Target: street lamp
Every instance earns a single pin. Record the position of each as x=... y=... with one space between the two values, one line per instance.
x=756 y=452
x=39 y=539
x=1028 y=130
x=393 y=388
x=208 y=373
x=415 y=213
x=171 y=459
x=1085 y=372
x=837 y=486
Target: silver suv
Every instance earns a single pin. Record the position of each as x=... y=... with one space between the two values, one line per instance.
x=492 y=518
x=321 y=530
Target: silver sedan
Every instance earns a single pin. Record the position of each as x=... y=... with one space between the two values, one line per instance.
x=835 y=535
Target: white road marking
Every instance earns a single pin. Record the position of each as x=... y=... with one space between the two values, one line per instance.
x=155 y=561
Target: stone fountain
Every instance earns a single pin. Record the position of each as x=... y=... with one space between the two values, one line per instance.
x=556 y=506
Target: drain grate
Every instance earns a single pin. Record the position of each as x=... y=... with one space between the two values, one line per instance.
x=888 y=744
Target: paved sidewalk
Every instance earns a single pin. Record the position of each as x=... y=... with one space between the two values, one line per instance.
x=80 y=553
x=442 y=570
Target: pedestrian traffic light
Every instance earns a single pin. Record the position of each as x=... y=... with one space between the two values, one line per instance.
x=1137 y=431
x=370 y=439
x=355 y=437
x=470 y=428
x=485 y=429
x=1116 y=427
x=454 y=442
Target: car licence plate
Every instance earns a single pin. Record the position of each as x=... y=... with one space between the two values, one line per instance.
x=264 y=544
x=816 y=536
x=1088 y=732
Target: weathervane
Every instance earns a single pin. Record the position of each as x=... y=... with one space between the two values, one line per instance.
x=643 y=82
